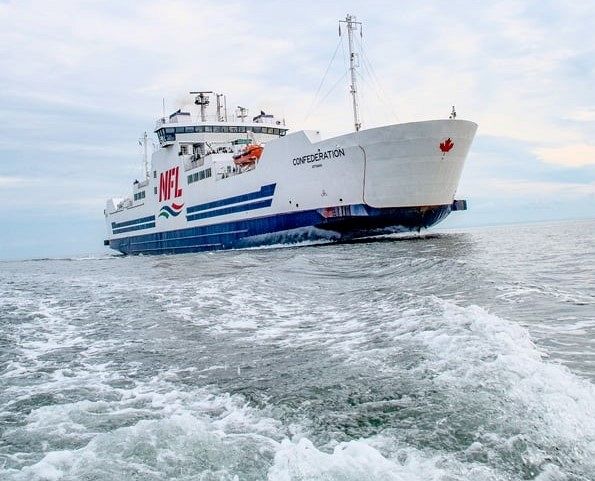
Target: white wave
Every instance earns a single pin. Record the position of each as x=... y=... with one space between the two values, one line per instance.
x=476 y=374
x=496 y=385
x=195 y=434
x=519 y=291
x=482 y=365
x=299 y=237
x=356 y=460
x=482 y=350
x=152 y=431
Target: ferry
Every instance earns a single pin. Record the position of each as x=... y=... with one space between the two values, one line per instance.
x=229 y=182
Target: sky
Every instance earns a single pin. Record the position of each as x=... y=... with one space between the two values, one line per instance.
x=81 y=81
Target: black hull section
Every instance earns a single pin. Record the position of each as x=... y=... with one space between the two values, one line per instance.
x=385 y=221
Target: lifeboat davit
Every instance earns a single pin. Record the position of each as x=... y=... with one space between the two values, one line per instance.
x=248 y=155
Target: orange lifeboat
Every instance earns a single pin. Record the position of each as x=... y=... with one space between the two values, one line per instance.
x=248 y=155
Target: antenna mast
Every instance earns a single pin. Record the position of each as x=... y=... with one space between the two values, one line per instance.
x=202 y=99
x=241 y=112
x=220 y=117
x=352 y=25
x=144 y=143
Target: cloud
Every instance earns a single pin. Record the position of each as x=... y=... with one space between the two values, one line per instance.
x=582 y=115
x=525 y=191
x=573 y=155
x=53 y=194
x=541 y=189
x=14 y=182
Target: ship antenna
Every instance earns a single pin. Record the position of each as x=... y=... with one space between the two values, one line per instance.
x=220 y=117
x=144 y=142
x=241 y=112
x=202 y=99
x=352 y=25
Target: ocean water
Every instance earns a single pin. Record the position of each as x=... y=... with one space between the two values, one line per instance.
x=446 y=356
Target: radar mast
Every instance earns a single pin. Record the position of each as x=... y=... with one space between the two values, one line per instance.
x=143 y=141
x=202 y=100
x=353 y=25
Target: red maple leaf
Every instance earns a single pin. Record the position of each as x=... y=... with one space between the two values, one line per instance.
x=446 y=145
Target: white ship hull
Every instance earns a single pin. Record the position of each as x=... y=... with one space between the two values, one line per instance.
x=396 y=178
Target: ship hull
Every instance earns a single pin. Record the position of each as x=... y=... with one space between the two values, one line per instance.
x=341 y=223
x=398 y=178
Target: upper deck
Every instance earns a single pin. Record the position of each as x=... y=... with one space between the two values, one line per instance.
x=189 y=125
x=210 y=131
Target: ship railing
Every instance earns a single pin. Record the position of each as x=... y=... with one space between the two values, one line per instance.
x=125 y=204
x=227 y=171
x=210 y=119
x=192 y=162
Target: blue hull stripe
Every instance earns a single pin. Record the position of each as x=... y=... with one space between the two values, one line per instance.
x=265 y=191
x=231 y=210
x=177 y=239
x=134 y=227
x=117 y=225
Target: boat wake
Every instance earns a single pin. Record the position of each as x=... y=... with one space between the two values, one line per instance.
x=392 y=360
